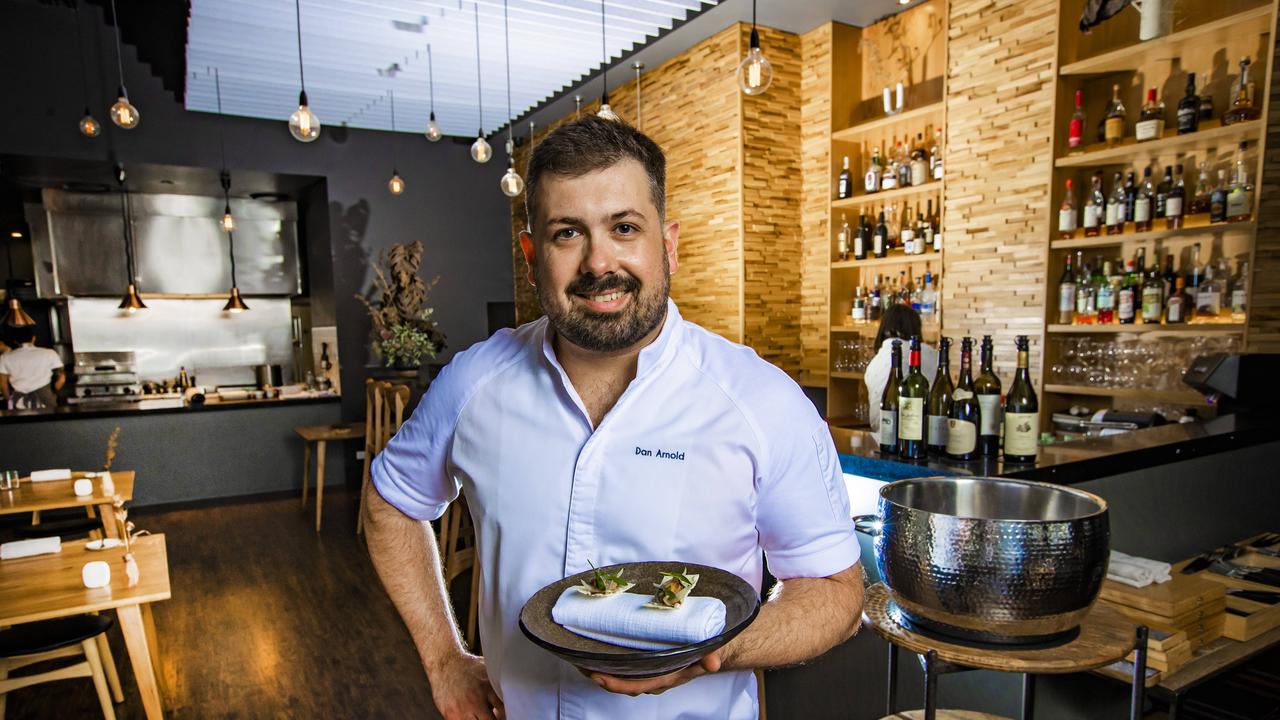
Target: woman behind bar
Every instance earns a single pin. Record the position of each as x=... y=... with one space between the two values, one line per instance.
x=900 y=322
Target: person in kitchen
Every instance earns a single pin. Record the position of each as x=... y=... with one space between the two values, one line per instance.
x=553 y=432
x=898 y=322
x=30 y=376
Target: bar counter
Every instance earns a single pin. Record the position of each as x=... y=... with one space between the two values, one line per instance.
x=123 y=408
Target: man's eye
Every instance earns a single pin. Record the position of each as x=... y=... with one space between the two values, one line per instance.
x=565 y=234
x=627 y=228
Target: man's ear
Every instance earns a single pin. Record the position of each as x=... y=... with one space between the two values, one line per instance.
x=671 y=244
x=530 y=257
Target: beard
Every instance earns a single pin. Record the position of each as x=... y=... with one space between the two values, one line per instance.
x=606 y=332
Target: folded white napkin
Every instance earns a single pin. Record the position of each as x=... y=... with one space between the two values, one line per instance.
x=42 y=475
x=1137 y=571
x=27 y=548
x=622 y=620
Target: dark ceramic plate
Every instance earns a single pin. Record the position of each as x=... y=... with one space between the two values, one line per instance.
x=740 y=603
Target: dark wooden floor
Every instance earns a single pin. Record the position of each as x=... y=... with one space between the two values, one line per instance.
x=267 y=620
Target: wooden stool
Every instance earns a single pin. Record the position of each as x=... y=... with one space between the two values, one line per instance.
x=320 y=435
x=1106 y=636
x=77 y=636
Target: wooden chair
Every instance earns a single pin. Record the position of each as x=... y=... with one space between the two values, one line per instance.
x=458 y=554
x=384 y=415
x=80 y=635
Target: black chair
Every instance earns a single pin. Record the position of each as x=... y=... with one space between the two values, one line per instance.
x=76 y=636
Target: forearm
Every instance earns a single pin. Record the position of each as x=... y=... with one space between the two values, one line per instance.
x=59 y=380
x=407 y=560
x=802 y=619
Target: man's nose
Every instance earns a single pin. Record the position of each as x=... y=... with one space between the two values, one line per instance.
x=601 y=257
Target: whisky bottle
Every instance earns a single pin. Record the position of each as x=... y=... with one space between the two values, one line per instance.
x=889 y=402
x=844 y=186
x=842 y=242
x=1021 y=411
x=1075 y=132
x=1240 y=196
x=1067 y=294
x=907 y=233
x=1067 y=214
x=1094 y=207
x=904 y=163
x=1209 y=296
x=1113 y=124
x=1175 y=306
x=940 y=399
x=1218 y=199
x=1150 y=125
x=1200 y=202
x=987 y=388
x=1142 y=203
x=966 y=415
x=913 y=395
x=871 y=180
x=1173 y=204
x=1242 y=108
x=1189 y=108
x=919 y=162
x=889 y=172
x=859 y=306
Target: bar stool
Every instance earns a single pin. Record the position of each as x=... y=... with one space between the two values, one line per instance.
x=459 y=554
x=320 y=435
x=385 y=405
x=80 y=635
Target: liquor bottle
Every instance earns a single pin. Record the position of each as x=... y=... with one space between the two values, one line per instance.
x=889 y=172
x=1143 y=202
x=923 y=238
x=1067 y=295
x=935 y=229
x=874 y=304
x=1169 y=279
x=842 y=241
x=889 y=402
x=1223 y=274
x=966 y=415
x=928 y=299
x=1067 y=214
x=940 y=398
x=880 y=240
x=907 y=233
x=1209 y=296
x=1218 y=199
x=1094 y=207
x=1130 y=197
x=1206 y=101
x=927 y=228
x=1195 y=276
x=913 y=394
x=987 y=389
x=1126 y=307
x=1201 y=201
x=1075 y=133
x=1113 y=124
x=1105 y=293
x=891 y=225
x=844 y=186
x=1162 y=192
x=1116 y=207
x=862 y=239
x=935 y=155
x=871 y=180
x=1086 y=297
x=1240 y=291
x=904 y=163
x=1189 y=108
x=1175 y=306
x=1240 y=196
x=859 y=306
x=1152 y=296
x=1150 y=125
x=1173 y=204
x=919 y=162
x=1021 y=411
x=1242 y=108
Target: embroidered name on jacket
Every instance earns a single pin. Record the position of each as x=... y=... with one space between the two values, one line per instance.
x=660 y=453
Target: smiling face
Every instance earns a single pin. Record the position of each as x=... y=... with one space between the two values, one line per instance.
x=601 y=257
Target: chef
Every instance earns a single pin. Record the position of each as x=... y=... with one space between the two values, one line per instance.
x=30 y=376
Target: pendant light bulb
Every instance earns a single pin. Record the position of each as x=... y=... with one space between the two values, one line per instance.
x=607 y=112
x=480 y=150
x=235 y=304
x=433 y=129
x=396 y=183
x=123 y=113
x=17 y=317
x=228 y=222
x=512 y=183
x=89 y=127
x=755 y=73
x=303 y=124
x=132 y=301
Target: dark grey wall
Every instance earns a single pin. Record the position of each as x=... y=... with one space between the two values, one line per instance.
x=452 y=204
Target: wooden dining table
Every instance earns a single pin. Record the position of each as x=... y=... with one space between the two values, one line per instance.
x=43 y=587
x=32 y=497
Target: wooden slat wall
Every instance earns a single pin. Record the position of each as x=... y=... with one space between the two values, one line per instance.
x=1264 y=308
x=771 y=201
x=815 y=199
x=1000 y=90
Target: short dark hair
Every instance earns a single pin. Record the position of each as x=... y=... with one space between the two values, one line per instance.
x=593 y=143
x=899 y=321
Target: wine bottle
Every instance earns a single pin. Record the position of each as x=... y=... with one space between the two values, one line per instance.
x=1067 y=295
x=1218 y=199
x=1067 y=214
x=1095 y=207
x=1142 y=205
x=1021 y=411
x=880 y=241
x=1116 y=207
x=965 y=416
x=844 y=188
x=889 y=402
x=1189 y=108
x=862 y=239
x=913 y=393
x=1113 y=124
x=1126 y=305
x=1173 y=205
x=842 y=239
x=1175 y=306
x=1075 y=132
x=940 y=399
x=987 y=389
x=1152 y=295
x=1162 y=193
x=1150 y=125
x=1240 y=194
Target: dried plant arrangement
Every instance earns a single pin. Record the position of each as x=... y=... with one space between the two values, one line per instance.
x=403 y=332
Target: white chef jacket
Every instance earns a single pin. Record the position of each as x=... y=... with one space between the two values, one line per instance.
x=746 y=465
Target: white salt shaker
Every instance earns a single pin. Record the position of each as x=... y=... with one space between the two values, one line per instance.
x=83 y=487
x=108 y=484
x=96 y=574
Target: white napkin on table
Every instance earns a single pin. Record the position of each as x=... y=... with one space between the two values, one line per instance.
x=27 y=548
x=42 y=475
x=1137 y=571
x=622 y=620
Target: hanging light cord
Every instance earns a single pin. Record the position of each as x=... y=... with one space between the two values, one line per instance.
x=479 y=86
x=506 y=32
x=119 y=62
x=297 y=9
x=392 y=93
x=126 y=221
x=222 y=133
x=604 y=58
x=84 y=73
x=753 y=14
x=431 y=81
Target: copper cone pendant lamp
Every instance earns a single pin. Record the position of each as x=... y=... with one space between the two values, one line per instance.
x=16 y=316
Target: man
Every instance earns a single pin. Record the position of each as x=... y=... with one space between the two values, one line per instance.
x=553 y=431
x=30 y=376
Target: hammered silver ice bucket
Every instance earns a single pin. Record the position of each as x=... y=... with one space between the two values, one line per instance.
x=990 y=559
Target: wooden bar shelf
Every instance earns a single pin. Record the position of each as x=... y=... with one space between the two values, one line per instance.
x=1222 y=136
x=846 y=375
x=887 y=195
x=891 y=259
x=906 y=116
x=1256 y=20
x=1186 y=397
x=1188 y=329
x=1108 y=240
